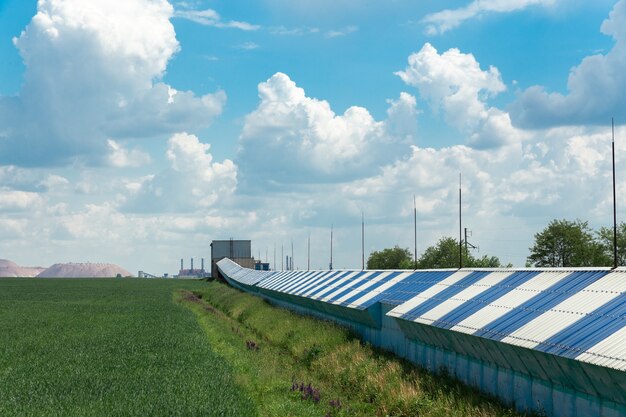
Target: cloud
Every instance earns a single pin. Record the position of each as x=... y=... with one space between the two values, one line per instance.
x=192 y=182
x=30 y=180
x=12 y=200
x=595 y=87
x=121 y=157
x=210 y=17
x=445 y=20
x=291 y=138
x=454 y=83
x=92 y=74
x=341 y=32
x=248 y=46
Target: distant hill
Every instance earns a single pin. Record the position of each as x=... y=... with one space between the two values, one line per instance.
x=83 y=270
x=11 y=269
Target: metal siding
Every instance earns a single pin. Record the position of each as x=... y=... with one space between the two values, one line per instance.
x=589 y=330
x=304 y=287
x=287 y=278
x=427 y=294
x=350 y=285
x=376 y=293
x=610 y=352
x=375 y=282
x=456 y=301
x=322 y=286
x=311 y=276
x=540 y=303
x=319 y=293
x=561 y=311
x=412 y=285
x=417 y=312
x=486 y=297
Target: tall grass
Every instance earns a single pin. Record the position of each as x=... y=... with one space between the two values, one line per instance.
x=364 y=380
x=108 y=348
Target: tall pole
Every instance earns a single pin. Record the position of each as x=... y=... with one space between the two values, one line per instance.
x=460 y=227
x=331 y=248
x=282 y=257
x=274 y=263
x=362 y=240
x=308 y=254
x=291 y=262
x=466 y=252
x=614 y=199
x=415 y=230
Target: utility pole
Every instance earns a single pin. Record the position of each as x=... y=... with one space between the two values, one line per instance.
x=291 y=255
x=362 y=241
x=460 y=228
x=282 y=257
x=331 y=248
x=468 y=244
x=415 y=230
x=614 y=199
x=274 y=263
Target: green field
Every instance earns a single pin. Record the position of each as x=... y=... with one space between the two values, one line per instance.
x=104 y=347
x=130 y=347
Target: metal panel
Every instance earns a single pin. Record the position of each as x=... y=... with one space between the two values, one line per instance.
x=426 y=295
x=610 y=352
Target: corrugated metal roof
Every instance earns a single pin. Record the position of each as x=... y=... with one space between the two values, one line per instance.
x=578 y=314
x=575 y=313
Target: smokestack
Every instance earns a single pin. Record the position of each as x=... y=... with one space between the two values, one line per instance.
x=181 y=264
x=191 y=270
x=202 y=264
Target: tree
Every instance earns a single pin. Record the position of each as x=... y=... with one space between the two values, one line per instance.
x=565 y=243
x=445 y=254
x=390 y=258
x=605 y=239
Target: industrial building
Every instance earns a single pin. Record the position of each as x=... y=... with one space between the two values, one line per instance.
x=548 y=340
x=238 y=251
x=192 y=272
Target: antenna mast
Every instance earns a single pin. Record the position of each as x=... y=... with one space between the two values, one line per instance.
x=415 y=230
x=460 y=228
x=614 y=199
x=362 y=240
x=331 y=248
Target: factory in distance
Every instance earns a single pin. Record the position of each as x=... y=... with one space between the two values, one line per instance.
x=239 y=251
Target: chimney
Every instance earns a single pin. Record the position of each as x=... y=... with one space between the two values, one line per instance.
x=191 y=270
x=202 y=265
x=181 y=264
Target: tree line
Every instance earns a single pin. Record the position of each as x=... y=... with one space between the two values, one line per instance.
x=562 y=243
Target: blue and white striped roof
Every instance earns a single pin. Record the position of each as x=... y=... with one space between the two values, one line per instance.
x=574 y=313
x=578 y=314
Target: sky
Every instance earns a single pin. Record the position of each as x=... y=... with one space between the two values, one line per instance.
x=136 y=131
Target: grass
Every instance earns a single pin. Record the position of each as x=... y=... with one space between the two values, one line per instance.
x=124 y=347
x=293 y=348
x=109 y=348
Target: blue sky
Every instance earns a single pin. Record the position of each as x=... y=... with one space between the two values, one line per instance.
x=135 y=132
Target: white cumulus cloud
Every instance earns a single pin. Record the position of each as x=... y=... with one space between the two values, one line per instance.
x=595 y=87
x=92 y=73
x=454 y=83
x=210 y=17
x=291 y=138
x=192 y=181
x=445 y=20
